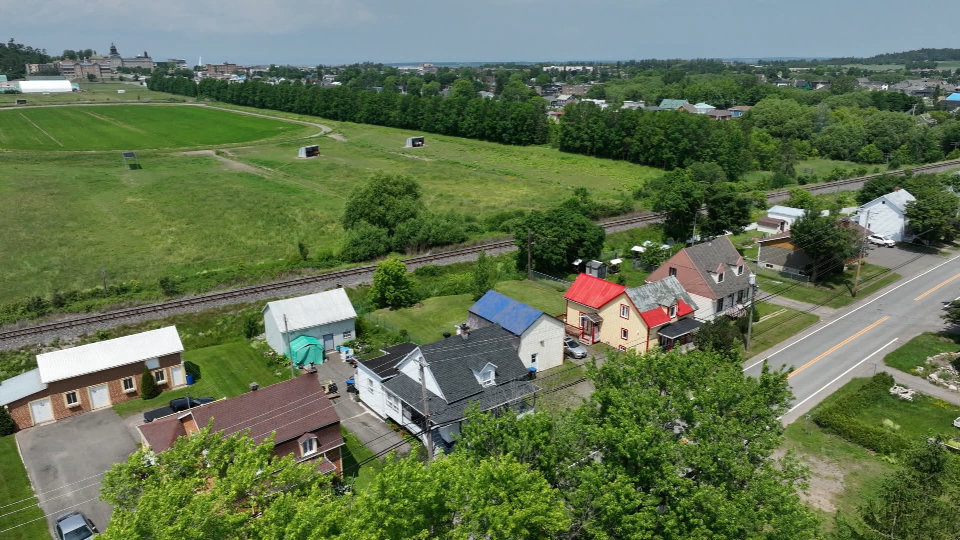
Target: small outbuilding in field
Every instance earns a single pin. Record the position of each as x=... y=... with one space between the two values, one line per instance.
x=416 y=142
x=328 y=316
x=308 y=151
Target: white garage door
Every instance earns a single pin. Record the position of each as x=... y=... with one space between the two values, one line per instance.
x=42 y=411
x=99 y=397
x=176 y=373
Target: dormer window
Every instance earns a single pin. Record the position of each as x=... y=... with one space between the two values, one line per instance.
x=740 y=270
x=672 y=271
x=720 y=277
x=308 y=446
x=486 y=376
x=673 y=311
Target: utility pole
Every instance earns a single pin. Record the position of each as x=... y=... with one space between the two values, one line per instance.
x=753 y=294
x=863 y=246
x=286 y=333
x=426 y=412
x=103 y=275
x=529 y=255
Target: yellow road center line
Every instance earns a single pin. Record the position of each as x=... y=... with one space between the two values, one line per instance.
x=837 y=346
x=922 y=296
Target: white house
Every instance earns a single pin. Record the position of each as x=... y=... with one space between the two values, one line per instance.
x=537 y=337
x=885 y=215
x=786 y=213
x=327 y=316
x=478 y=366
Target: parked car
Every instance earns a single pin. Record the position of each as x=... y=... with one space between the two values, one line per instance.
x=574 y=348
x=881 y=240
x=75 y=526
x=182 y=404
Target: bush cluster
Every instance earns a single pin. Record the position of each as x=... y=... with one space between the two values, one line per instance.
x=840 y=418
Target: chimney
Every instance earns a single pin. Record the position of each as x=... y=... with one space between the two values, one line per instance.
x=254 y=386
x=446 y=335
x=896 y=189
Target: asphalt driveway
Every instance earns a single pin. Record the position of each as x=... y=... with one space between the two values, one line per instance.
x=66 y=460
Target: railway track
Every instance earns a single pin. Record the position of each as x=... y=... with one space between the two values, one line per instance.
x=358 y=274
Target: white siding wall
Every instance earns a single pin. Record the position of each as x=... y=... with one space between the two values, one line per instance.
x=373 y=398
x=274 y=334
x=448 y=432
x=278 y=343
x=706 y=307
x=410 y=367
x=544 y=337
x=884 y=219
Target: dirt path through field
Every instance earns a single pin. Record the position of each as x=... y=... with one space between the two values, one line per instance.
x=231 y=164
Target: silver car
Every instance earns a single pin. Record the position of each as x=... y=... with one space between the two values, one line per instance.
x=574 y=348
x=75 y=526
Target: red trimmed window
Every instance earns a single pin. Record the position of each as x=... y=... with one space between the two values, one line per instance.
x=622 y=348
x=624 y=311
x=624 y=333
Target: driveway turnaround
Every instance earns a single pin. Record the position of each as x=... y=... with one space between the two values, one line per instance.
x=66 y=461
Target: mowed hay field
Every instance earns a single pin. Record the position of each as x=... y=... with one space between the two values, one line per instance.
x=133 y=127
x=65 y=215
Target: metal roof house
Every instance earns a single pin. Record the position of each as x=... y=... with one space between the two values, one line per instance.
x=93 y=376
x=537 y=337
x=786 y=213
x=672 y=104
x=327 y=316
x=886 y=215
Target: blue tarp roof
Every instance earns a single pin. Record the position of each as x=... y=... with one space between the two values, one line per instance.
x=954 y=97
x=515 y=317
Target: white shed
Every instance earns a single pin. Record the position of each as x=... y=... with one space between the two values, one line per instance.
x=327 y=316
x=45 y=87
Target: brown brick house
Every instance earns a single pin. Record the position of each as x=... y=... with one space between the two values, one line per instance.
x=297 y=412
x=93 y=376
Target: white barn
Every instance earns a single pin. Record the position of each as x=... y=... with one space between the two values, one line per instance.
x=885 y=215
x=327 y=316
x=45 y=87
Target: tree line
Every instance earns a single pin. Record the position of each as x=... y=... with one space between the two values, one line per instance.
x=502 y=121
x=14 y=56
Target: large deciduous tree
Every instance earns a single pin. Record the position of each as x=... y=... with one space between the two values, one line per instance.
x=727 y=210
x=385 y=200
x=680 y=199
x=560 y=235
x=933 y=216
x=827 y=243
x=392 y=286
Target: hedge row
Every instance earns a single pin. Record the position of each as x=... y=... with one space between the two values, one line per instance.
x=840 y=418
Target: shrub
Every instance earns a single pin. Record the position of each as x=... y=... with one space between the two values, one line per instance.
x=839 y=417
x=168 y=285
x=252 y=327
x=427 y=270
x=148 y=387
x=7 y=427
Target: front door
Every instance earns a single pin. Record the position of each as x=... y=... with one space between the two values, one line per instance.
x=176 y=373
x=42 y=411
x=99 y=396
x=328 y=342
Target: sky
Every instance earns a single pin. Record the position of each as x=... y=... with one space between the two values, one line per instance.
x=311 y=32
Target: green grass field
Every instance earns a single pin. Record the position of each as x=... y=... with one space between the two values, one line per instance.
x=133 y=127
x=17 y=502
x=223 y=371
x=781 y=324
x=835 y=292
x=96 y=92
x=916 y=351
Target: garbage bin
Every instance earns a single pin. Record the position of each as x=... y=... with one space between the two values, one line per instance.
x=189 y=379
x=533 y=372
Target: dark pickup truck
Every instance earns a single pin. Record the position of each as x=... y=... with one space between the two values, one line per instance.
x=176 y=405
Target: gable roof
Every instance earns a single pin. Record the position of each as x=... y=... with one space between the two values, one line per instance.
x=897 y=199
x=515 y=317
x=452 y=361
x=719 y=252
x=673 y=104
x=21 y=386
x=312 y=310
x=386 y=366
x=661 y=293
x=93 y=357
x=289 y=409
x=786 y=211
x=953 y=97
x=592 y=291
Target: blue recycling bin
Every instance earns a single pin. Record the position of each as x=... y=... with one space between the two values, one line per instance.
x=189 y=379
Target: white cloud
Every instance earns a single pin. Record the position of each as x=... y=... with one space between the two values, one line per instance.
x=214 y=16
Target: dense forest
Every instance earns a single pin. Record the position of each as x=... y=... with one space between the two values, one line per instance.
x=14 y=56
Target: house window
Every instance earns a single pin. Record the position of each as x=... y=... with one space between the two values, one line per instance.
x=487 y=377
x=533 y=359
x=673 y=310
x=672 y=271
x=740 y=270
x=71 y=398
x=719 y=305
x=581 y=320
x=160 y=376
x=624 y=311
x=720 y=277
x=128 y=385
x=621 y=348
x=740 y=297
x=348 y=334
x=308 y=446
x=767 y=265
x=393 y=402
x=370 y=385
x=624 y=333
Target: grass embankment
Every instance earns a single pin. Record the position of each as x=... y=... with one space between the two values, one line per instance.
x=915 y=352
x=17 y=502
x=96 y=92
x=834 y=292
x=781 y=323
x=220 y=371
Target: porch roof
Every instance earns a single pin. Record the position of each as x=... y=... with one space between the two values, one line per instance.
x=680 y=328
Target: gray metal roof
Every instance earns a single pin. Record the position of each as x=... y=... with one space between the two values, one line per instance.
x=679 y=328
x=663 y=292
x=21 y=386
x=386 y=366
x=442 y=412
x=708 y=256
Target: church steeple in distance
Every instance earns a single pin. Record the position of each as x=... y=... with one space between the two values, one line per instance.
x=113 y=50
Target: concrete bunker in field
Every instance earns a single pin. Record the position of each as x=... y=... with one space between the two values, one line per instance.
x=415 y=142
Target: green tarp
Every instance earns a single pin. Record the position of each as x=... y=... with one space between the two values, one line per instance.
x=307 y=350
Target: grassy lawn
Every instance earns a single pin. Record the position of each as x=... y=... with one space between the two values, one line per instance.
x=221 y=371
x=352 y=453
x=544 y=297
x=834 y=292
x=130 y=127
x=777 y=328
x=16 y=496
x=915 y=352
x=98 y=92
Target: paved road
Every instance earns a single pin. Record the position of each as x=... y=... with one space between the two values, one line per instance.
x=848 y=344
